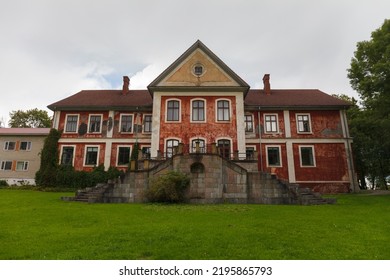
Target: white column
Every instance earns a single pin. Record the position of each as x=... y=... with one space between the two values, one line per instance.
x=290 y=161
x=155 y=124
x=240 y=124
x=287 y=125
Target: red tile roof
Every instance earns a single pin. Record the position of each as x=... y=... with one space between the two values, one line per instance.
x=24 y=131
x=293 y=98
x=142 y=100
x=104 y=99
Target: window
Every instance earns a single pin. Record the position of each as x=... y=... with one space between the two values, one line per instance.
x=123 y=155
x=307 y=156
x=173 y=110
x=303 y=123
x=126 y=123
x=147 y=123
x=67 y=155
x=271 y=123
x=198 y=113
x=25 y=146
x=250 y=153
x=6 y=165
x=9 y=145
x=223 y=110
x=202 y=146
x=21 y=165
x=198 y=70
x=273 y=156
x=71 y=123
x=145 y=152
x=224 y=148
x=170 y=147
x=248 y=123
x=95 y=123
x=91 y=156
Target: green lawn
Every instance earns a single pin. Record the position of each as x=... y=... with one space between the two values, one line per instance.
x=38 y=225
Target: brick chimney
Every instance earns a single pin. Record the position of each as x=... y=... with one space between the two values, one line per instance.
x=126 y=84
x=267 y=85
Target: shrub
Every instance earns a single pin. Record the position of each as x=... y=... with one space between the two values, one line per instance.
x=3 y=183
x=170 y=187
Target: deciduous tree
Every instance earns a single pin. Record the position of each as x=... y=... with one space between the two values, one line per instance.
x=31 y=118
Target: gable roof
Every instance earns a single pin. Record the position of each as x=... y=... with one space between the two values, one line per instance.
x=197 y=45
x=104 y=100
x=297 y=98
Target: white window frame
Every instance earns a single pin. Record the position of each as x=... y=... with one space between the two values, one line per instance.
x=28 y=146
x=230 y=110
x=89 y=123
x=3 y=164
x=280 y=155
x=132 y=124
x=143 y=124
x=66 y=122
x=251 y=146
x=265 y=115
x=117 y=155
x=192 y=148
x=313 y=154
x=253 y=123
x=62 y=151
x=166 y=146
x=204 y=110
x=25 y=165
x=6 y=146
x=85 y=155
x=146 y=146
x=166 y=110
x=297 y=123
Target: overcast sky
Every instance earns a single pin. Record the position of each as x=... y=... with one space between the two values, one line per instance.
x=50 y=49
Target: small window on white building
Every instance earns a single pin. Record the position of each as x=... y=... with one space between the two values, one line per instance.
x=25 y=146
x=6 y=165
x=9 y=145
x=21 y=165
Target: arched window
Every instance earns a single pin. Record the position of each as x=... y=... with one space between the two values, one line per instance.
x=170 y=147
x=223 y=110
x=198 y=110
x=201 y=147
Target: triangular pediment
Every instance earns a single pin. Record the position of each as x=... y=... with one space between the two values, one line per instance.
x=198 y=67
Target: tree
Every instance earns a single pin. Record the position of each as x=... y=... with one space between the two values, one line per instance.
x=370 y=76
x=46 y=175
x=31 y=118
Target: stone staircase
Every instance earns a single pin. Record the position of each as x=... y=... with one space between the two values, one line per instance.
x=305 y=196
x=90 y=195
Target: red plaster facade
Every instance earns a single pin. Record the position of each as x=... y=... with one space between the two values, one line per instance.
x=301 y=136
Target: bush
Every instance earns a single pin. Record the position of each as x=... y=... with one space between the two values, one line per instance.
x=170 y=188
x=3 y=183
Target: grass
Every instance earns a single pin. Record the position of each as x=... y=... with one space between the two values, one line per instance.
x=38 y=225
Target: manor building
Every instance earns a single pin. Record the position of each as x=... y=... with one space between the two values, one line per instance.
x=200 y=105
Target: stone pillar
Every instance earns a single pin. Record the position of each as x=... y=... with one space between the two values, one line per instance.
x=214 y=148
x=180 y=148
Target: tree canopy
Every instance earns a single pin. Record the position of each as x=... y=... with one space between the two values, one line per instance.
x=370 y=125
x=31 y=118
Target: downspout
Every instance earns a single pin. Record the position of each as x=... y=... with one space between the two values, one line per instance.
x=350 y=161
x=261 y=150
